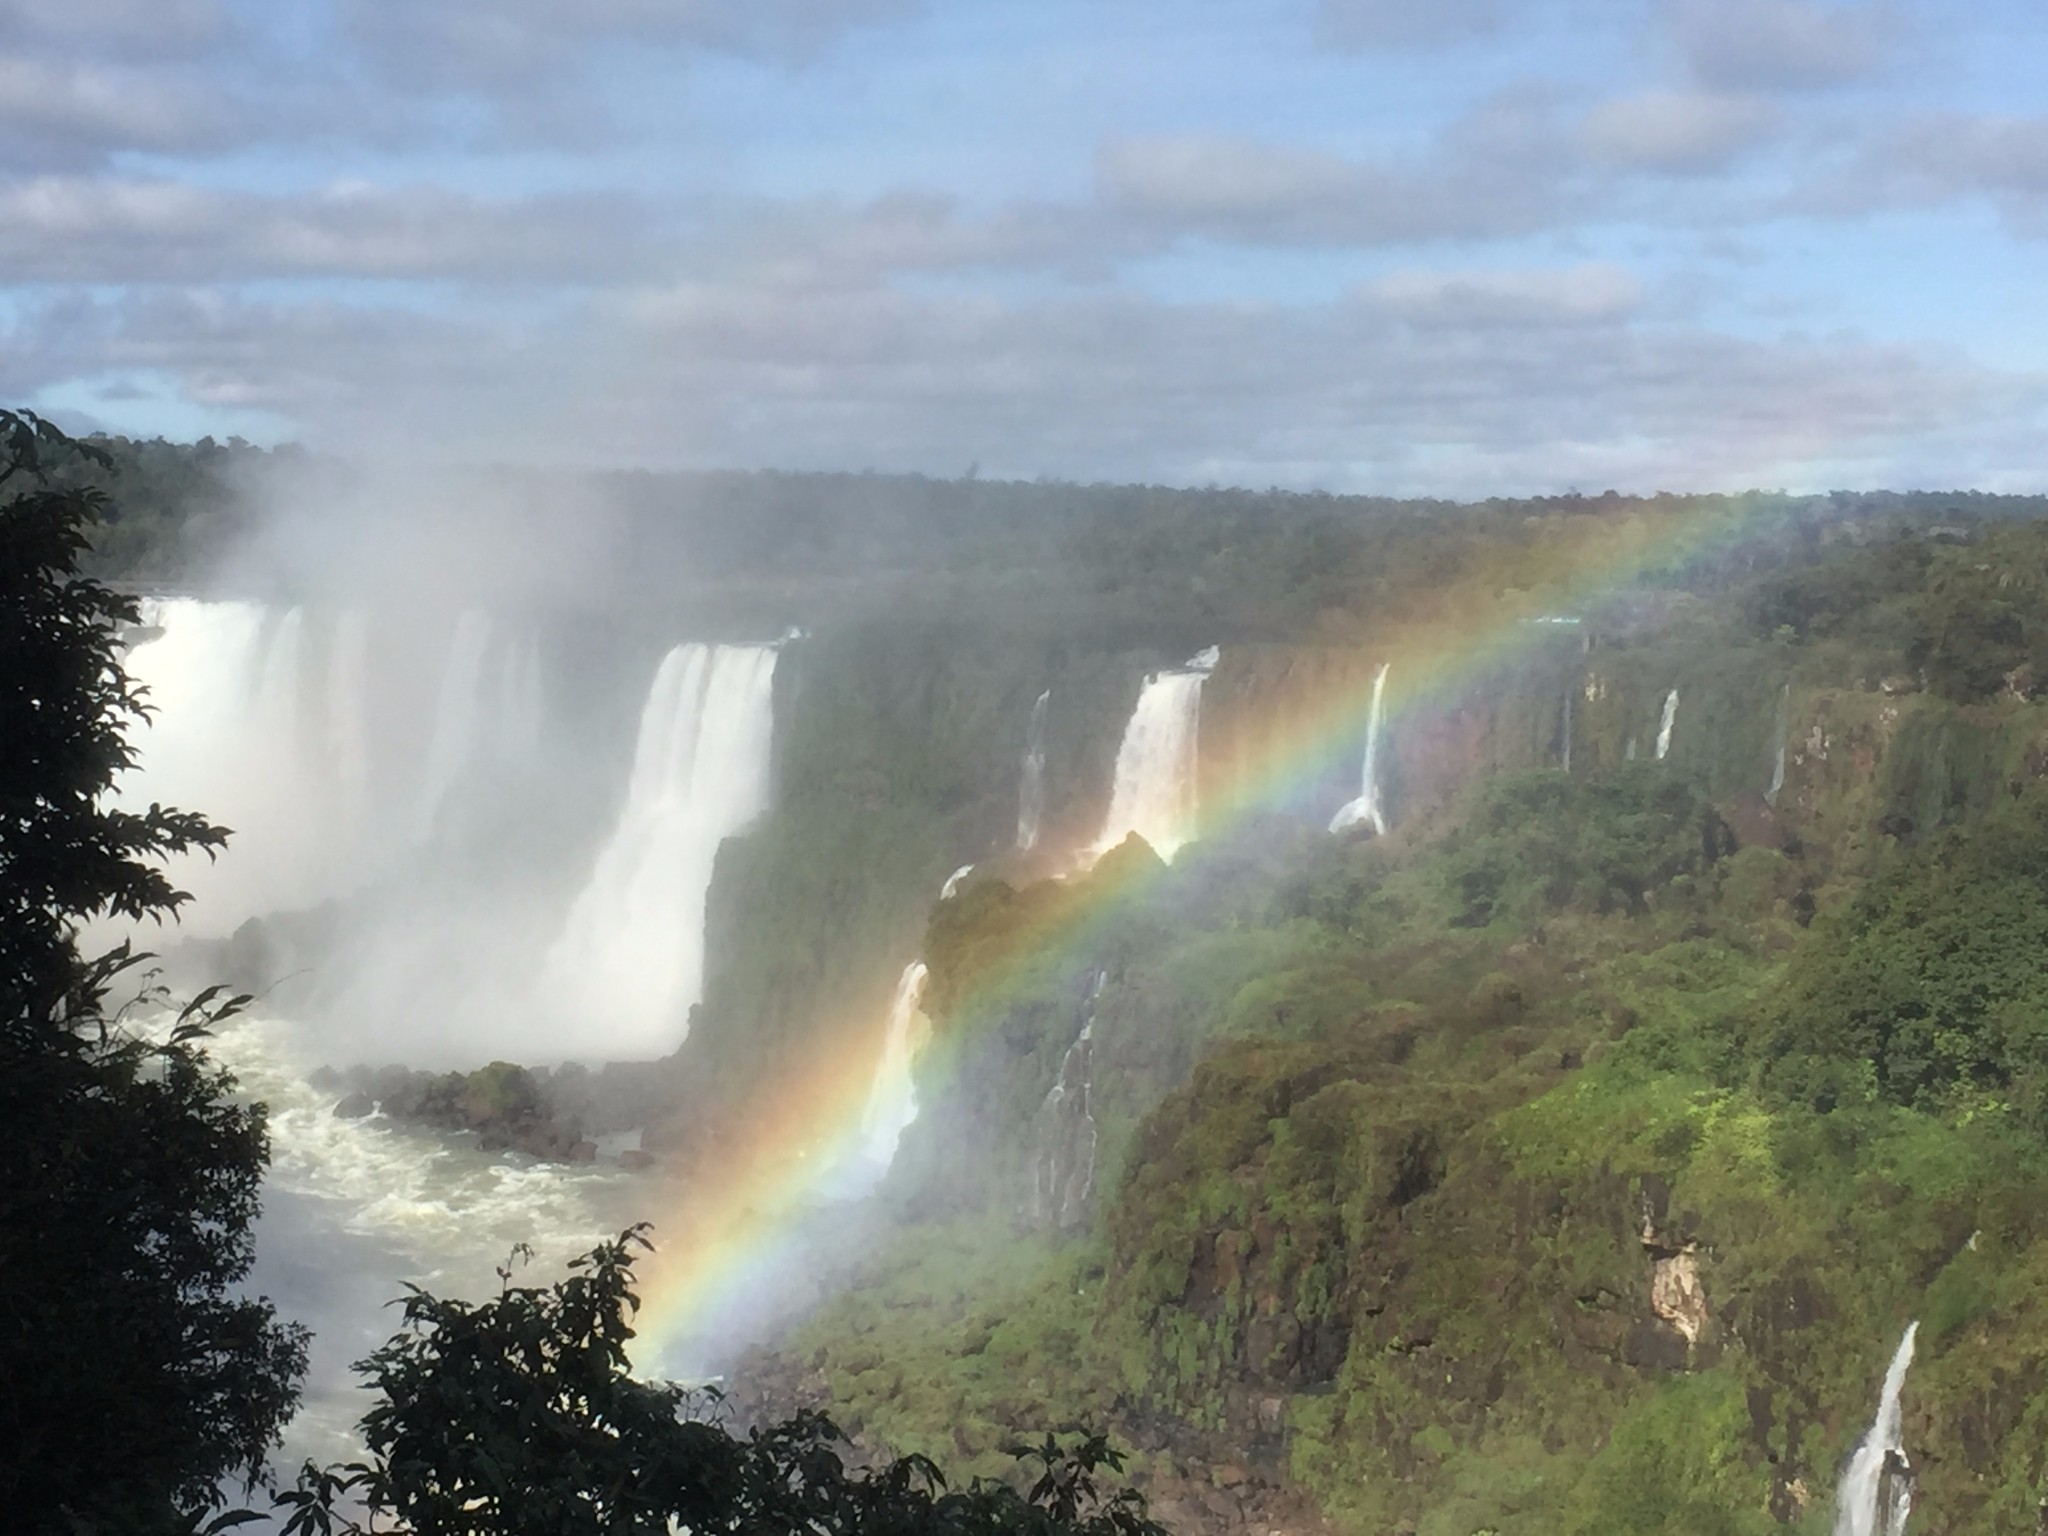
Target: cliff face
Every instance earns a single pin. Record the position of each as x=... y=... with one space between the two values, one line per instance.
x=899 y=751
x=1455 y=1178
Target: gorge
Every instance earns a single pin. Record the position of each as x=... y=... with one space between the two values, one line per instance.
x=1498 y=1170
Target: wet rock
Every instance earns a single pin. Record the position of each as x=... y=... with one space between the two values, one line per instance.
x=1272 y=1415
x=1790 y=1499
x=635 y=1159
x=583 y=1152
x=355 y=1106
x=1677 y=1296
x=1654 y=1345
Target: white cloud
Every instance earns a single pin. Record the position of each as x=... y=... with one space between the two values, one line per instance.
x=53 y=110
x=1679 y=131
x=497 y=44
x=1956 y=154
x=141 y=26
x=1468 y=382
x=1776 y=45
x=1936 y=159
x=1504 y=169
x=108 y=230
x=1359 y=25
x=1592 y=293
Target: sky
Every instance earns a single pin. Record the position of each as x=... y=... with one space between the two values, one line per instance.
x=1415 y=247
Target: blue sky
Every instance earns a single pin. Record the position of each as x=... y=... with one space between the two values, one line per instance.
x=1464 y=247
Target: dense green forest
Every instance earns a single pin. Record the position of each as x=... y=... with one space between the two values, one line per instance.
x=1569 y=1159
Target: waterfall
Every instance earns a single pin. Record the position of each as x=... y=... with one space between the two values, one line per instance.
x=230 y=736
x=1876 y=1494
x=1031 y=789
x=457 y=716
x=519 y=699
x=952 y=886
x=1629 y=752
x=1664 y=725
x=1063 y=1132
x=277 y=679
x=1778 y=760
x=629 y=962
x=1369 y=807
x=348 y=707
x=892 y=1102
x=1565 y=758
x=1153 y=793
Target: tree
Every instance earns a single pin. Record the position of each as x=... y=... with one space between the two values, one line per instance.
x=132 y=1378
x=520 y=1415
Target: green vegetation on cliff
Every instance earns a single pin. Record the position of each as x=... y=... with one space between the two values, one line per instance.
x=1570 y=1159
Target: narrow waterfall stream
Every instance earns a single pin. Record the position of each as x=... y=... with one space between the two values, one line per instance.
x=1031 y=785
x=1876 y=1493
x=1063 y=1132
x=1665 y=723
x=1369 y=809
x=1784 y=724
x=892 y=1102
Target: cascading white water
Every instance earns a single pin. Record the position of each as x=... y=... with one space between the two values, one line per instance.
x=459 y=717
x=1876 y=1493
x=231 y=736
x=1064 y=1134
x=1369 y=808
x=892 y=1102
x=952 y=886
x=355 y=1208
x=1031 y=788
x=519 y=712
x=1154 y=792
x=1777 y=783
x=1566 y=762
x=630 y=960
x=1669 y=719
x=348 y=706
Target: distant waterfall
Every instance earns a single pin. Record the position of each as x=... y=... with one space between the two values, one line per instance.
x=1777 y=784
x=1664 y=725
x=232 y=735
x=459 y=717
x=630 y=960
x=1031 y=786
x=1369 y=807
x=348 y=708
x=1876 y=1494
x=1154 y=790
x=1063 y=1133
x=892 y=1102
x=519 y=698
x=277 y=680
x=1565 y=756
x=952 y=886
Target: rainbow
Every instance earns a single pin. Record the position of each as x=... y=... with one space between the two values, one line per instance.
x=736 y=1222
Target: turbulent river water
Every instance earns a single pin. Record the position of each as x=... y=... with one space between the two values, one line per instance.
x=352 y=1209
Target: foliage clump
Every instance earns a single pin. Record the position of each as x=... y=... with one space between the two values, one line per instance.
x=134 y=1376
x=1928 y=989
x=521 y=1414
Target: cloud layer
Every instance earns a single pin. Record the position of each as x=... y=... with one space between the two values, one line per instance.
x=1370 y=246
